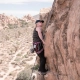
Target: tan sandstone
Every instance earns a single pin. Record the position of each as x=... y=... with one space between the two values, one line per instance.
x=62 y=48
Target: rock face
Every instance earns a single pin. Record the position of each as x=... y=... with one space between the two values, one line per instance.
x=62 y=47
x=44 y=13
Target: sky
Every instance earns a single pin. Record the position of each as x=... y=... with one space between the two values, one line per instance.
x=19 y=8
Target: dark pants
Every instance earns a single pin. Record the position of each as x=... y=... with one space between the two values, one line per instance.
x=40 y=52
x=42 y=62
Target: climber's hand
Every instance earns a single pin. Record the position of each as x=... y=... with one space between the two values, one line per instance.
x=43 y=42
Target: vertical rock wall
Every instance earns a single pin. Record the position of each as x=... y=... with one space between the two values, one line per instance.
x=44 y=15
x=62 y=47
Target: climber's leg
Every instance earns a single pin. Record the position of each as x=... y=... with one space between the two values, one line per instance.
x=40 y=52
x=42 y=62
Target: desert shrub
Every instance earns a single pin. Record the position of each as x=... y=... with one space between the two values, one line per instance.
x=23 y=23
x=25 y=74
x=36 y=67
x=29 y=59
x=11 y=26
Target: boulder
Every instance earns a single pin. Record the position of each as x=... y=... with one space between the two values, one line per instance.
x=37 y=76
x=40 y=77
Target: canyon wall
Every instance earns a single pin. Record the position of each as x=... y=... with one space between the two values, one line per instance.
x=62 y=48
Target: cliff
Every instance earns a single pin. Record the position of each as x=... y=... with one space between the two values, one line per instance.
x=62 y=48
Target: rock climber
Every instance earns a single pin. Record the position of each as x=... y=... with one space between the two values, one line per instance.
x=38 y=43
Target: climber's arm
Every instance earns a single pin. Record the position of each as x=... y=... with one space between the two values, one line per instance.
x=38 y=29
